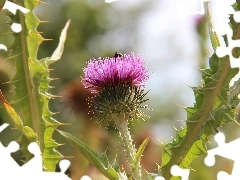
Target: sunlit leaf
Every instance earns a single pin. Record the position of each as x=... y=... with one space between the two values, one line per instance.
x=139 y=154
x=212 y=109
x=99 y=160
x=31 y=83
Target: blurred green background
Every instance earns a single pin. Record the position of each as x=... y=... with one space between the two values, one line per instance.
x=173 y=48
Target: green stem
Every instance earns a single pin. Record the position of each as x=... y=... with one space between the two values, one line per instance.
x=121 y=122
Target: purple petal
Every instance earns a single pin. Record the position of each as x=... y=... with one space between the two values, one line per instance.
x=109 y=71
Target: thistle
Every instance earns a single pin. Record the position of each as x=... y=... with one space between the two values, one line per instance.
x=118 y=85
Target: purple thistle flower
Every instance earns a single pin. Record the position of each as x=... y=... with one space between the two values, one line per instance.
x=128 y=69
x=117 y=82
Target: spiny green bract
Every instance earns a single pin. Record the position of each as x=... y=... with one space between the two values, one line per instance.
x=124 y=98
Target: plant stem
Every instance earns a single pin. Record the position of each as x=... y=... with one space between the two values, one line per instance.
x=121 y=122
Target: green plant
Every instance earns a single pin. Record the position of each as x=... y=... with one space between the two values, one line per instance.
x=30 y=111
x=118 y=98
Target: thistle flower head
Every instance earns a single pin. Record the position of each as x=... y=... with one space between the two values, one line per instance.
x=117 y=83
x=128 y=69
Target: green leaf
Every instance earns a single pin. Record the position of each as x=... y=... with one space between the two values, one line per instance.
x=139 y=154
x=59 y=50
x=31 y=83
x=212 y=109
x=27 y=131
x=215 y=106
x=6 y=37
x=99 y=160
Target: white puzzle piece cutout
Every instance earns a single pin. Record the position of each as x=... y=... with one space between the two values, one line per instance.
x=33 y=169
x=12 y=7
x=8 y=164
x=177 y=171
x=223 y=50
x=223 y=11
x=159 y=178
x=16 y=27
x=35 y=164
x=228 y=150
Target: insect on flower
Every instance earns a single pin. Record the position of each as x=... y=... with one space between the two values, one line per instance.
x=116 y=55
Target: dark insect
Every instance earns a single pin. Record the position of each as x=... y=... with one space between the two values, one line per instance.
x=118 y=55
